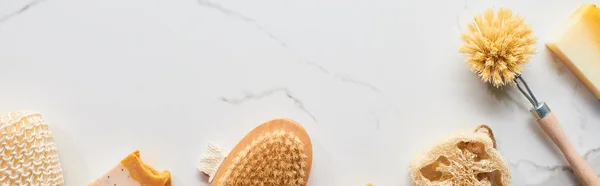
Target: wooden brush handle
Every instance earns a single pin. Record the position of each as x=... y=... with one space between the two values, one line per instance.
x=582 y=170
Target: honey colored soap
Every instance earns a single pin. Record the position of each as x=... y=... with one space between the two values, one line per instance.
x=133 y=172
x=577 y=44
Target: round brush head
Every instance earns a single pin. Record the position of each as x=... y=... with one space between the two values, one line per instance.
x=498 y=44
x=275 y=158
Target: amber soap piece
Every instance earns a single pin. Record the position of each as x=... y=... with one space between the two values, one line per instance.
x=577 y=44
x=133 y=172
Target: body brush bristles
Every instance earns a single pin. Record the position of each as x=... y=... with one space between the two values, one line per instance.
x=497 y=45
x=276 y=153
x=275 y=158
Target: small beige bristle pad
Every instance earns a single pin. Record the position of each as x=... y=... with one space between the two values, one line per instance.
x=25 y=134
x=211 y=160
x=271 y=128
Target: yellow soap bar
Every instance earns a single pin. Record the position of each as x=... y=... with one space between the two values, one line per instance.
x=133 y=172
x=577 y=44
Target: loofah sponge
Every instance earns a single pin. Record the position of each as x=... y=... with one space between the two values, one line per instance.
x=27 y=151
x=497 y=45
x=465 y=158
x=276 y=153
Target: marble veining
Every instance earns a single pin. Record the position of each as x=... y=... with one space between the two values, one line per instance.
x=218 y=7
x=270 y=92
x=22 y=9
x=554 y=171
x=229 y=12
x=372 y=81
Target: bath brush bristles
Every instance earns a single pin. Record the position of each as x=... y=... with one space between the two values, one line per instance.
x=276 y=153
x=275 y=158
x=498 y=44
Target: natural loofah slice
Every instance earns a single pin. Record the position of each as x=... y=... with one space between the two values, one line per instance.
x=27 y=152
x=132 y=171
x=464 y=158
x=276 y=153
x=497 y=45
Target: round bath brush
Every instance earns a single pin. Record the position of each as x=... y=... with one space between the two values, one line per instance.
x=497 y=44
x=276 y=153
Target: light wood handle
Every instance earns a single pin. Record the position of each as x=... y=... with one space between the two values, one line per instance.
x=582 y=170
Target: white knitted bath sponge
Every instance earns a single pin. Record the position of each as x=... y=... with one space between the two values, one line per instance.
x=27 y=152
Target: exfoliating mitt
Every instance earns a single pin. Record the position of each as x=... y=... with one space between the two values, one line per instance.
x=27 y=151
x=132 y=171
x=276 y=153
x=464 y=158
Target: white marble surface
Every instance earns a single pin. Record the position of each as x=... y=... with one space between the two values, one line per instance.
x=373 y=82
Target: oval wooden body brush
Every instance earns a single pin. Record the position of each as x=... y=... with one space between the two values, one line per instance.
x=276 y=153
x=497 y=44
